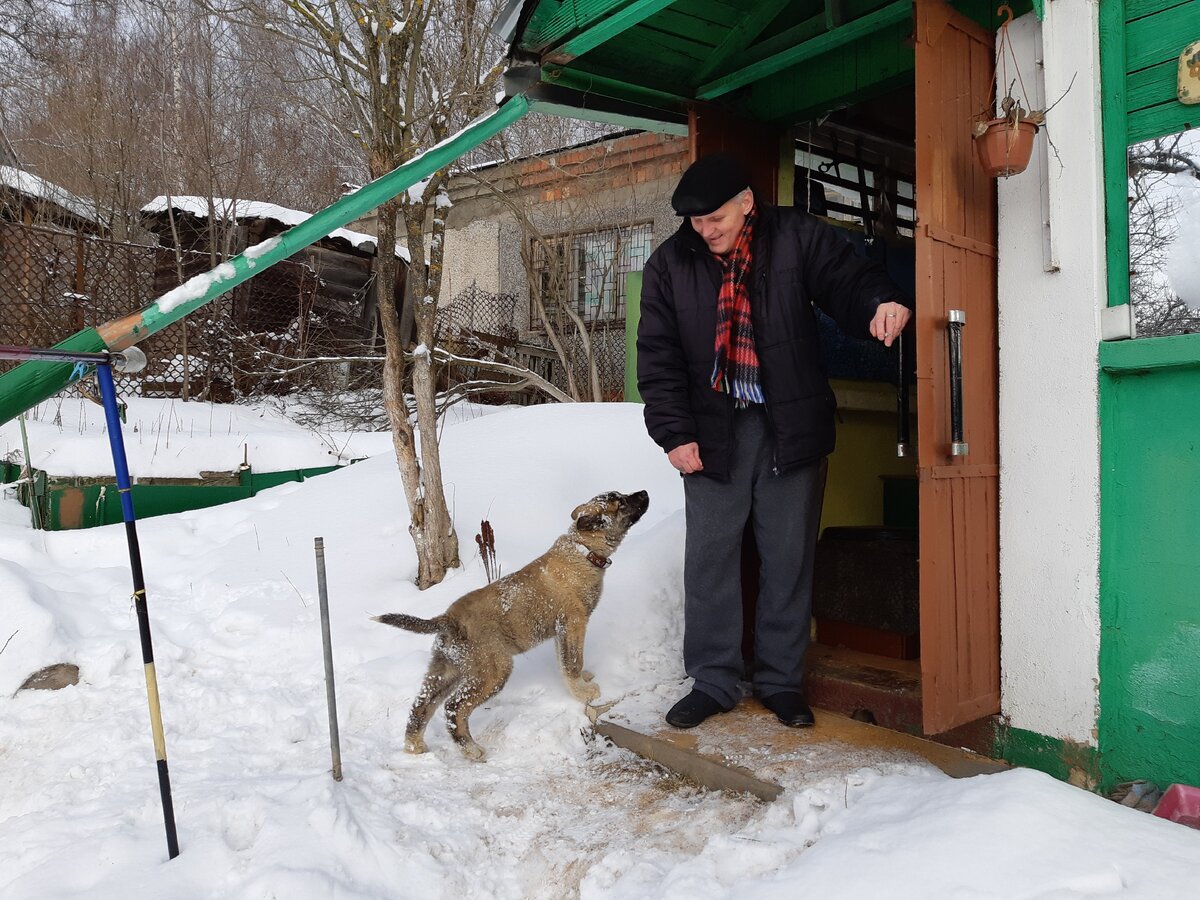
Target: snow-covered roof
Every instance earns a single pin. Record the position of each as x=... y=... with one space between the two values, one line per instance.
x=40 y=189
x=255 y=209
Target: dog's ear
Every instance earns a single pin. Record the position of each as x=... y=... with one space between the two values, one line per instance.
x=590 y=523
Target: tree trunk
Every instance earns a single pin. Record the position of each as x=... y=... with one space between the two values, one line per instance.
x=394 y=404
x=440 y=538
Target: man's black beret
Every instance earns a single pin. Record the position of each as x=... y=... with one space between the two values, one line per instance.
x=708 y=183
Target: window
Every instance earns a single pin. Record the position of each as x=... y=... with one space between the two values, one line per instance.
x=585 y=272
x=1164 y=231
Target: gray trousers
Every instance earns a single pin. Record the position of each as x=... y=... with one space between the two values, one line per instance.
x=786 y=511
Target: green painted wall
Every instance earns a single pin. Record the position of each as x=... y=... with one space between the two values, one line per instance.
x=1150 y=560
x=65 y=506
x=1149 y=722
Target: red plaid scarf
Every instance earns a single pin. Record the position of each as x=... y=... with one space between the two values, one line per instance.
x=735 y=369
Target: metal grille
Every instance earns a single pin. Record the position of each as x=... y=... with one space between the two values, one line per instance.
x=261 y=338
x=585 y=272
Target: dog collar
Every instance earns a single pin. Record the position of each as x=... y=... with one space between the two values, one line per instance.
x=600 y=562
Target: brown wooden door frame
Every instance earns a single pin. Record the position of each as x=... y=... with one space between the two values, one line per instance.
x=956 y=270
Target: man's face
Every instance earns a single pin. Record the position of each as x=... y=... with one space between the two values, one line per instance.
x=721 y=227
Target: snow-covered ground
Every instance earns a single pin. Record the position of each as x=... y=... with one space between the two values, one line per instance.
x=552 y=813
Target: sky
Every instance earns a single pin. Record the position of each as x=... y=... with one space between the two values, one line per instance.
x=553 y=812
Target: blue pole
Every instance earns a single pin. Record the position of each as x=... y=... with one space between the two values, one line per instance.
x=117 y=442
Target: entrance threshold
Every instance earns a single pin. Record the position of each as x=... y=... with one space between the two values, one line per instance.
x=746 y=750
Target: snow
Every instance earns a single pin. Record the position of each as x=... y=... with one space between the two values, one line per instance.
x=553 y=813
x=40 y=189
x=1183 y=261
x=229 y=209
x=166 y=438
x=195 y=287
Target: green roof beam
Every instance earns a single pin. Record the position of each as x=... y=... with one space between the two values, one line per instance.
x=606 y=28
x=577 y=79
x=740 y=36
x=831 y=40
x=592 y=107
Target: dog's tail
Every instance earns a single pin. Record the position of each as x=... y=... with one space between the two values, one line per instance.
x=412 y=623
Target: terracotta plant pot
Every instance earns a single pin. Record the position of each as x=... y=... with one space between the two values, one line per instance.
x=1004 y=148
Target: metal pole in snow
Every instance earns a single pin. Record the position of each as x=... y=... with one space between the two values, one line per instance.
x=335 y=748
x=117 y=443
x=129 y=360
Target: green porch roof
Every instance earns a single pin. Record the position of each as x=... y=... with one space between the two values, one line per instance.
x=782 y=61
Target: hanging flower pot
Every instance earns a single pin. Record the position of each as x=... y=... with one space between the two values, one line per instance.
x=1004 y=146
x=1004 y=135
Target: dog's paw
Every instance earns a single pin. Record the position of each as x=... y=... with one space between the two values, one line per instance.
x=595 y=710
x=473 y=751
x=415 y=745
x=587 y=676
x=585 y=690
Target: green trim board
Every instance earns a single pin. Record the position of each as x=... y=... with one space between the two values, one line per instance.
x=633 y=315
x=1065 y=760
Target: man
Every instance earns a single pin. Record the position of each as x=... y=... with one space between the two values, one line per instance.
x=730 y=369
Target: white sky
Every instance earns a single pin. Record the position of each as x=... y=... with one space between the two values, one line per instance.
x=553 y=813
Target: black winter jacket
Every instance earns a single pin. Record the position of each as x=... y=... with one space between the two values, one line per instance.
x=798 y=260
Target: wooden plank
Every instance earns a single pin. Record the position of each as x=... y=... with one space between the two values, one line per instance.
x=1164 y=118
x=738 y=38
x=956 y=269
x=1114 y=141
x=1148 y=87
x=1160 y=37
x=698 y=768
x=1136 y=9
x=831 y=40
x=701 y=31
x=605 y=25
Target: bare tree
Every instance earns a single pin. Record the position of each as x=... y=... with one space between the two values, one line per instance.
x=572 y=251
x=1154 y=168
x=404 y=75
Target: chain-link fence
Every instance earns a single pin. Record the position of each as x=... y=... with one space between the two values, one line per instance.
x=285 y=331
x=480 y=324
x=282 y=331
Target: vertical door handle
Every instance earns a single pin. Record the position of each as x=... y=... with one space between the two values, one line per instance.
x=957 y=320
x=902 y=436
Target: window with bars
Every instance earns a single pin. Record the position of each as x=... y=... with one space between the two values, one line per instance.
x=585 y=272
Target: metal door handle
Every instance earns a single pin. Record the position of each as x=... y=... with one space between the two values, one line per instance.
x=954 y=327
x=902 y=436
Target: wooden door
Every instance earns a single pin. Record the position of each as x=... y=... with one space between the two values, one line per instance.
x=956 y=270
x=714 y=129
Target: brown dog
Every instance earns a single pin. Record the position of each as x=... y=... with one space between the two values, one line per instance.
x=481 y=632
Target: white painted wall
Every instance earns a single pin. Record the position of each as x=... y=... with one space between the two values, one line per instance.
x=1049 y=429
x=472 y=257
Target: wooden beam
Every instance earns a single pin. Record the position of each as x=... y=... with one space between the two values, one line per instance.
x=580 y=80
x=831 y=40
x=605 y=28
x=740 y=36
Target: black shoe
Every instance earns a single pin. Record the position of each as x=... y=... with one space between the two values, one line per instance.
x=790 y=709
x=693 y=709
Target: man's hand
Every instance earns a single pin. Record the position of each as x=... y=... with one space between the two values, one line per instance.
x=686 y=458
x=889 y=321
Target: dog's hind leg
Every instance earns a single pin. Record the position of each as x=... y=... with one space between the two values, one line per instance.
x=441 y=678
x=476 y=687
